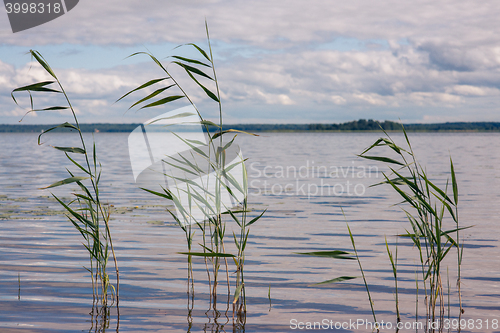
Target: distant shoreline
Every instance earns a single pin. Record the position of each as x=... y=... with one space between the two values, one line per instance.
x=361 y=125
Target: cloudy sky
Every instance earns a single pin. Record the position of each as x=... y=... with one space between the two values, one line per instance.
x=277 y=61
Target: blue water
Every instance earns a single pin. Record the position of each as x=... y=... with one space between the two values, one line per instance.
x=302 y=179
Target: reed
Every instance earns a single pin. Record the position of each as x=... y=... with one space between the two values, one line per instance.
x=394 y=264
x=370 y=300
x=433 y=218
x=87 y=211
x=208 y=161
x=337 y=254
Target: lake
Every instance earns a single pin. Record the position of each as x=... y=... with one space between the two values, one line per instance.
x=303 y=180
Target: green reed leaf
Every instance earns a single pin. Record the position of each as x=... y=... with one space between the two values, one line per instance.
x=235 y=218
x=83 y=197
x=153 y=58
x=231 y=166
x=52 y=108
x=184 y=162
x=406 y=137
x=448 y=207
x=443 y=255
x=426 y=205
x=196 y=149
x=187 y=162
x=233 y=182
x=395 y=181
x=381 y=159
x=191 y=69
x=207 y=91
x=167 y=195
x=82 y=231
x=209 y=123
x=454 y=182
x=78 y=165
x=245 y=241
x=142 y=86
x=175 y=116
x=227 y=145
x=85 y=189
x=376 y=144
x=64 y=125
x=197 y=142
x=237 y=293
x=202 y=200
x=456 y=229
x=71 y=150
x=153 y=94
x=39 y=58
x=163 y=101
x=335 y=254
x=236 y=243
x=201 y=51
x=401 y=192
x=206 y=248
x=391 y=258
x=34 y=86
x=255 y=219
x=181 y=168
x=437 y=189
x=413 y=186
x=79 y=217
x=176 y=219
x=40 y=86
x=339 y=279
x=193 y=61
x=216 y=135
x=65 y=181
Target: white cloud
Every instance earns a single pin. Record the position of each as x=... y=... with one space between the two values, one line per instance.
x=372 y=99
x=434 y=99
x=6 y=73
x=266 y=24
x=338 y=100
x=468 y=90
x=444 y=55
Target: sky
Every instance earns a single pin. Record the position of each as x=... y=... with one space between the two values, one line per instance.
x=288 y=61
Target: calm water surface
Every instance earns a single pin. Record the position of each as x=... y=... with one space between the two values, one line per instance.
x=302 y=179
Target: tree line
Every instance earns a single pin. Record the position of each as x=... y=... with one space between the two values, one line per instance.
x=356 y=125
